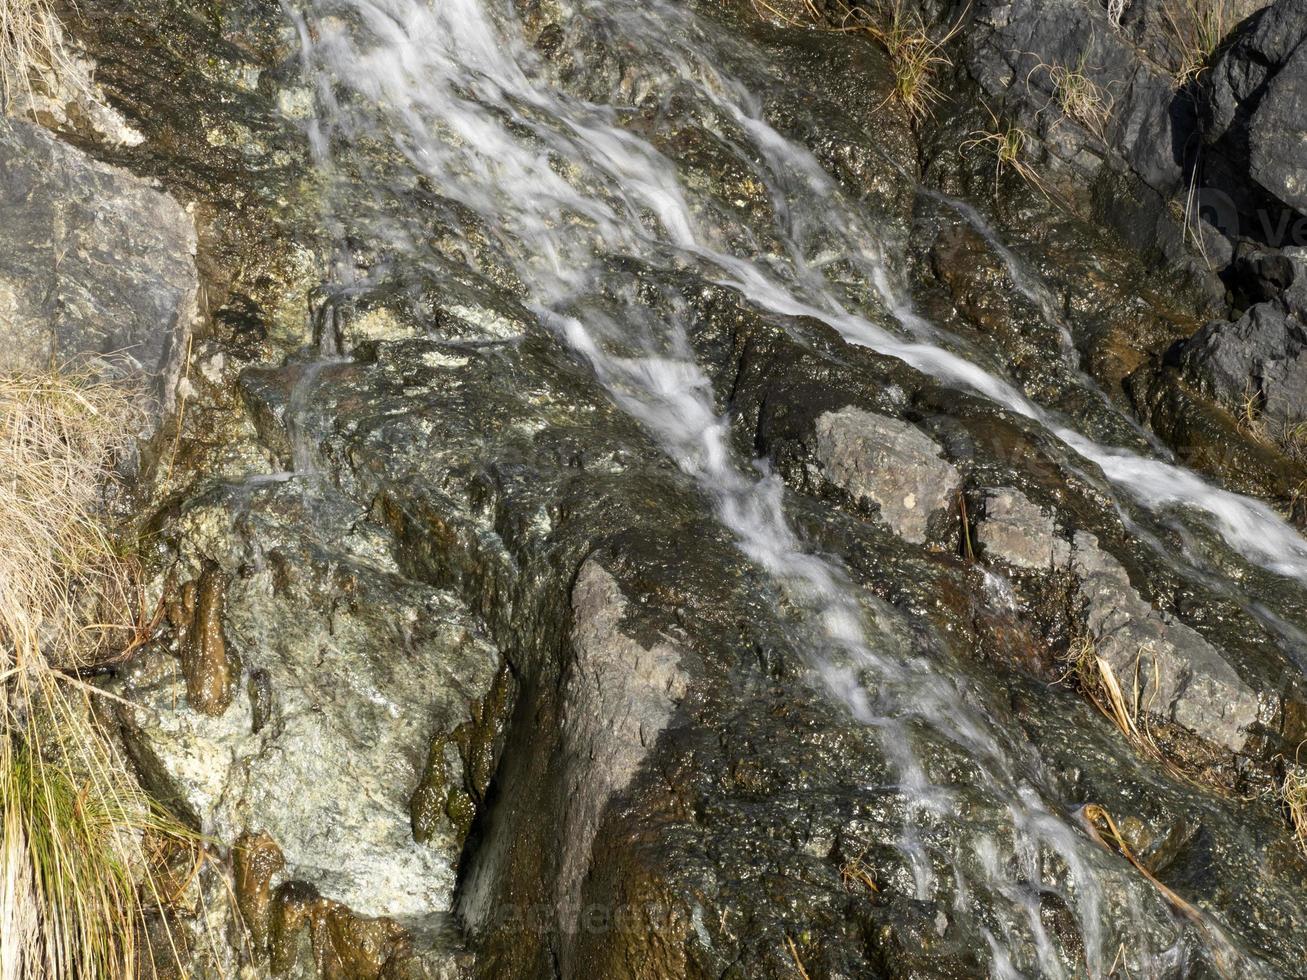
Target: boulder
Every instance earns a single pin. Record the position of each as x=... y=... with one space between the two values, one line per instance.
x=1163 y=666
x=889 y=465
x=1260 y=356
x=94 y=262
x=1253 y=107
x=1239 y=77
x=1278 y=134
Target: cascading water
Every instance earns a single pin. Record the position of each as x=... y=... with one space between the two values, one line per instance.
x=570 y=200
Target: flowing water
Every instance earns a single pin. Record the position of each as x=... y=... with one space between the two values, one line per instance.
x=557 y=183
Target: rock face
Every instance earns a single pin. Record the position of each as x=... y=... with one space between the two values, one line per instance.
x=350 y=673
x=1169 y=671
x=1253 y=123
x=1262 y=358
x=94 y=262
x=1157 y=121
x=1276 y=134
x=619 y=698
x=469 y=675
x=890 y=466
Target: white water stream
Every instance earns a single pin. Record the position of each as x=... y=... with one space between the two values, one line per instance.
x=563 y=190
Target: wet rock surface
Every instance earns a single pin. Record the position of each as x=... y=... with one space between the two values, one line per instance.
x=466 y=676
x=94 y=263
x=352 y=672
x=210 y=670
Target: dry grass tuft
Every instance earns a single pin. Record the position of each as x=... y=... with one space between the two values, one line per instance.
x=1197 y=29
x=75 y=837
x=968 y=551
x=1293 y=791
x=916 y=55
x=1289 y=436
x=1095 y=678
x=1103 y=829
x=75 y=829
x=1193 y=224
x=1079 y=97
x=66 y=594
x=31 y=43
x=1008 y=144
x=1250 y=412
x=1293 y=437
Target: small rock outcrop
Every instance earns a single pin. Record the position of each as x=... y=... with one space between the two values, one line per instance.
x=1021 y=533
x=1171 y=672
x=94 y=262
x=1256 y=365
x=619 y=698
x=889 y=466
x=1098 y=99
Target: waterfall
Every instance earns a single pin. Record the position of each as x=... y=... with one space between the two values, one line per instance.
x=569 y=197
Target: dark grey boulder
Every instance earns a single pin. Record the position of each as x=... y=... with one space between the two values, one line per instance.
x=1241 y=73
x=95 y=263
x=1253 y=113
x=1127 y=166
x=1261 y=356
x=1278 y=133
x=1018 y=41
